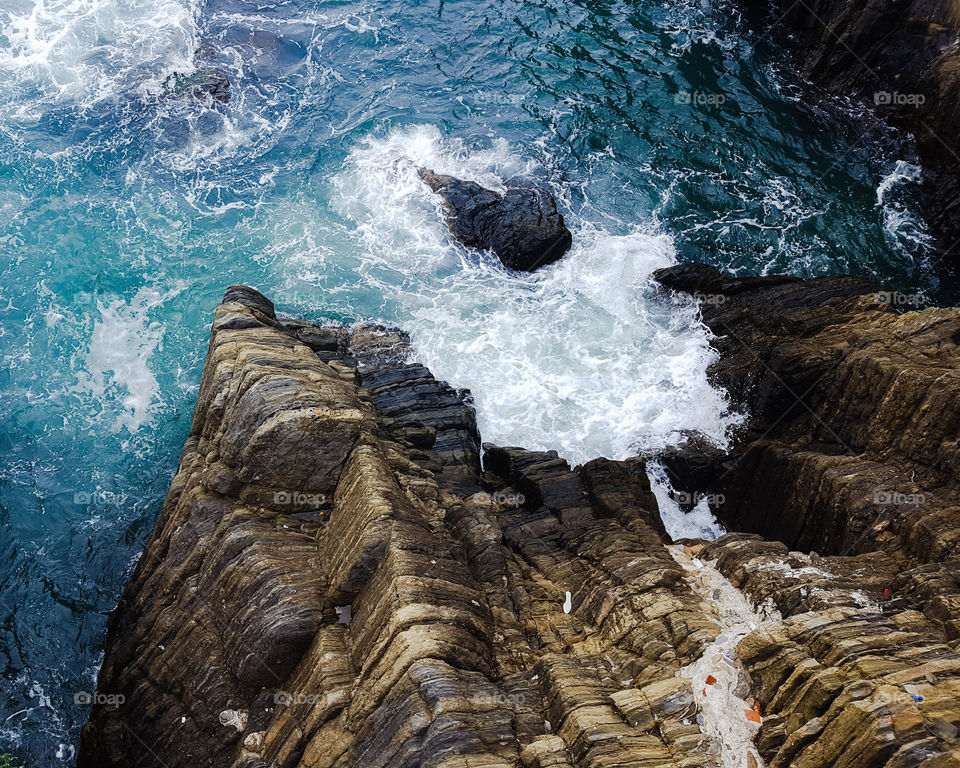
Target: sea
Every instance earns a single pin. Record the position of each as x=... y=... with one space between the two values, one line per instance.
x=152 y=152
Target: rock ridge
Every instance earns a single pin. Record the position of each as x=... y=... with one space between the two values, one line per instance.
x=336 y=579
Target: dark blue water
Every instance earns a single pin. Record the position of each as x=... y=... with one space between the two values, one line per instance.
x=668 y=131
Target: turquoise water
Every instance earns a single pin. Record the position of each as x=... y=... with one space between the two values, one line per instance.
x=668 y=131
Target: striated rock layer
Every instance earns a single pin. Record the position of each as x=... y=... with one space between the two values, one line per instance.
x=335 y=581
x=853 y=442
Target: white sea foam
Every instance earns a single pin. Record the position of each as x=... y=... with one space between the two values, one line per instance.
x=581 y=357
x=115 y=367
x=723 y=704
x=698 y=523
x=900 y=221
x=91 y=50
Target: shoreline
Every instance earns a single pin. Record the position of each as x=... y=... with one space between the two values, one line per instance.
x=903 y=62
x=342 y=584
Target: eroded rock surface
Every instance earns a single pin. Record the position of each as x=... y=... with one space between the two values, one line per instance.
x=335 y=581
x=853 y=439
x=522 y=225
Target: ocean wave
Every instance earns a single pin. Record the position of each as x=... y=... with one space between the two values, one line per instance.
x=583 y=357
x=90 y=51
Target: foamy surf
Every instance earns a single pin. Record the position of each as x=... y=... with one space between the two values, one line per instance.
x=901 y=223
x=88 y=51
x=115 y=367
x=584 y=357
x=698 y=523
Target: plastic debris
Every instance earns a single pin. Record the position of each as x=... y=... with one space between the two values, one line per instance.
x=752 y=716
x=711 y=680
x=568 y=603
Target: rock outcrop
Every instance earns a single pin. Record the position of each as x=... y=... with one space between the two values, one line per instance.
x=335 y=580
x=903 y=58
x=853 y=439
x=522 y=225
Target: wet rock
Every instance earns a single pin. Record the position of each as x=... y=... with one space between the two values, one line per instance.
x=203 y=84
x=522 y=613
x=854 y=411
x=214 y=85
x=522 y=225
x=326 y=470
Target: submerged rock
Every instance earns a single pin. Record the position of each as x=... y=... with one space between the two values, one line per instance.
x=335 y=581
x=203 y=84
x=522 y=226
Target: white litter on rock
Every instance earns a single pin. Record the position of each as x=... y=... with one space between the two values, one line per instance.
x=568 y=603
x=808 y=573
x=724 y=704
x=234 y=718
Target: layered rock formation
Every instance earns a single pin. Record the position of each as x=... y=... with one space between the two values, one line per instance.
x=854 y=405
x=902 y=58
x=522 y=225
x=336 y=581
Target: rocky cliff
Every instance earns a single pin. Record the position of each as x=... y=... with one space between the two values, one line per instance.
x=852 y=444
x=335 y=580
x=901 y=57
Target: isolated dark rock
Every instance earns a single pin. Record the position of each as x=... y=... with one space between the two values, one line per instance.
x=522 y=226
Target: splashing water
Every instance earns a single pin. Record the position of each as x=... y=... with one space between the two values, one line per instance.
x=128 y=203
x=583 y=357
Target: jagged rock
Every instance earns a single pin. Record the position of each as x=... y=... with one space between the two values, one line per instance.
x=522 y=225
x=336 y=581
x=852 y=441
x=851 y=675
x=326 y=475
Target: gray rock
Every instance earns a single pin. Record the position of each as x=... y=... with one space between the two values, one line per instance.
x=522 y=226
